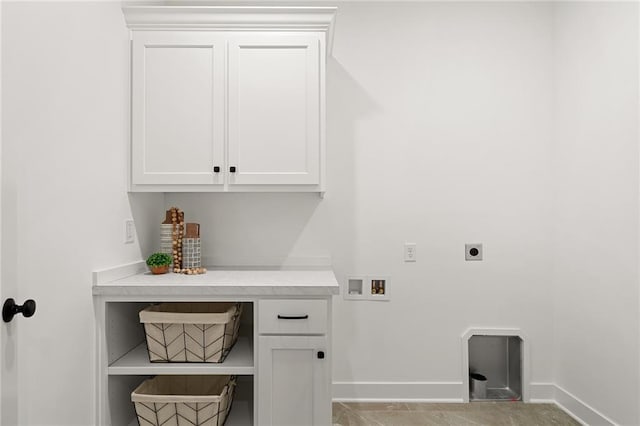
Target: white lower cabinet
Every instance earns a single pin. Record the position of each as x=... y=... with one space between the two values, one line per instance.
x=294 y=378
x=281 y=359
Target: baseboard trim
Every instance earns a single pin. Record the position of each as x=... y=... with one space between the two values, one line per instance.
x=397 y=391
x=580 y=410
x=452 y=392
x=420 y=391
x=541 y=393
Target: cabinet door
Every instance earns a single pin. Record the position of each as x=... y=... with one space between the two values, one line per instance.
x=274 y=109
x=177 y=107
x=293 y=381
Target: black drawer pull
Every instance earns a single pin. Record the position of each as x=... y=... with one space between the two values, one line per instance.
x=293 y=316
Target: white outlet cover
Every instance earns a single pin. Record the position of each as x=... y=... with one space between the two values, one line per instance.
x=410 y=253
x=129 y=231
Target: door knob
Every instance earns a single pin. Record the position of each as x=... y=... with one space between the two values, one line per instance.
x=232 y=169
x=10 y=309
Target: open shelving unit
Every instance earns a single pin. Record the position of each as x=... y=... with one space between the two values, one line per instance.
x=136 y=362
x=127 y=364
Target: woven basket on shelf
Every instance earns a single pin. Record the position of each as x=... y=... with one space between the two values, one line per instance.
x=184 y=400
x=191 y=332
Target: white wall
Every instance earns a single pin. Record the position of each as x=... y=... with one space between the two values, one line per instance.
x=596 y=227
x=65 y=135
x=439 y=130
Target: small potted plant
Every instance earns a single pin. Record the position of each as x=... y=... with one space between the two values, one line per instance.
x=159 y=263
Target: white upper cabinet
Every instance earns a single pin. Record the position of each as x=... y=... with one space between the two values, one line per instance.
x=228 y=98
x=177 y=108
x=274 y=109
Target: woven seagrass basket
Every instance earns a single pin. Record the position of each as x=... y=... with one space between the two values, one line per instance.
x=184 y=400
x=191 y=332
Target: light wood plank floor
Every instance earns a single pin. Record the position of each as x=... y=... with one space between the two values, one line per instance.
x=475 y=413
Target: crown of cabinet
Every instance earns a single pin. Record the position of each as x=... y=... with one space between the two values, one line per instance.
x=228 y=99
x=233 y=18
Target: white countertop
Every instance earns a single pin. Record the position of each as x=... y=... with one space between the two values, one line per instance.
x=224 y=283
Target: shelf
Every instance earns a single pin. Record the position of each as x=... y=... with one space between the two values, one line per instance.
x=240 y=415
x=136 y=362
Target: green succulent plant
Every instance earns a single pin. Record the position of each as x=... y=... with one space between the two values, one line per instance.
x=159 y=259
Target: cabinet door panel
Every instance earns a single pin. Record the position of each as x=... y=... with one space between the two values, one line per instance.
x=178 y=92
x=293 y=382
x=274 y=109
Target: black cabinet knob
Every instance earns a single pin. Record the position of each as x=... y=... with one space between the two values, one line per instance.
x=216 y=169
x=10 y=309
x=320 y=354
x=232 y=169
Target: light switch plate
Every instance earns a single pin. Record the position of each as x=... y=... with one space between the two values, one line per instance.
x=129 y=231
x=410 y=252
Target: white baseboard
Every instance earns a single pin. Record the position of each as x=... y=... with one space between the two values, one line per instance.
x=397 y=391
x=580 y=410
x=420 y=391
x=451 y=392
x=542 y=393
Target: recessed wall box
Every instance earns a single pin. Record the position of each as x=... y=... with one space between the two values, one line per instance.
x=473 y=251
x=372 y=287
x=378 y=288
x=354 y=288
x=499 y=360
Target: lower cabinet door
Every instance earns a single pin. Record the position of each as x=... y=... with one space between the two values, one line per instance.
x=294 y=381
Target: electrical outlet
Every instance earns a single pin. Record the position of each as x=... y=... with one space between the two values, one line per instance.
x=129 y=231
x=473 y=251
x=409 y=252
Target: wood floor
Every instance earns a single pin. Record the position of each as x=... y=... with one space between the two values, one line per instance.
x=475 y=413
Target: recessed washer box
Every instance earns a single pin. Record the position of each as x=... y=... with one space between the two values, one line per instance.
x=371 y=287
x=355 y=288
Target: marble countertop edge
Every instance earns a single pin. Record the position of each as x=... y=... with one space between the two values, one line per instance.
x=132 y=280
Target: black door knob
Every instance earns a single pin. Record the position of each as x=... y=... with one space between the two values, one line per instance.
x=216 y=169
x=320 y=355
x=10 y=309
x=232 y=169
